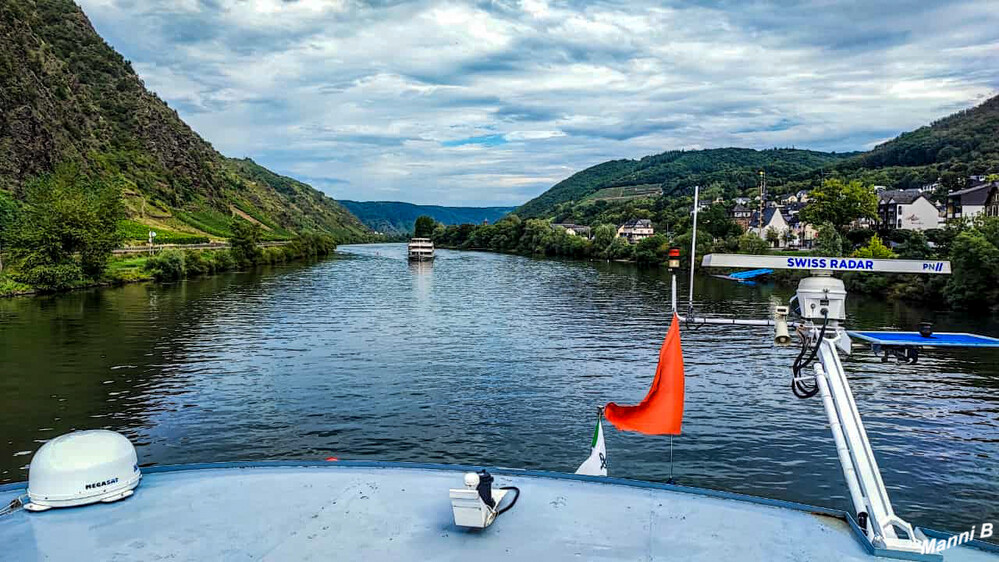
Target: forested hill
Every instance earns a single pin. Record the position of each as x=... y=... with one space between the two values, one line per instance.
x=67 y=97
x=394 y=217
x=951 y=149
x=678 y=171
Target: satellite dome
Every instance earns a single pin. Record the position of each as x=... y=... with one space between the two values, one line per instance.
x=80 y=468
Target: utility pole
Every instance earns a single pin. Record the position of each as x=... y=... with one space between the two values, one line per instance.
x=763 y=196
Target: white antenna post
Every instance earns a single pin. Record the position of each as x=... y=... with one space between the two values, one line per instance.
x=821 y=306
x=693 y=251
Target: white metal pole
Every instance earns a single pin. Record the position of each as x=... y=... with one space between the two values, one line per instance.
x=672 y=291
x=693 y=251
x=732 y=321
x=868 y=475
x=845 y=460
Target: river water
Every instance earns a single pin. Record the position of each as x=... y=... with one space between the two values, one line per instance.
x=486 y=359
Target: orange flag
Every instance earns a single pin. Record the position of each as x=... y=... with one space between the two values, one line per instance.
x=661 y=411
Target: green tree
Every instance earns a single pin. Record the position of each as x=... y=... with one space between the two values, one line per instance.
x=875 y=248
x=619 y=249
x=168 y=265
x=828 y=242
x=840 y=203
x=975 y=260
x=715 y=220
x=244 y=242
x=653 y=249
x=7 y=217
x=424 y=227
x=603 y=235
x=915 y=247
x=750 y=243
x=67 y=227
x=439 y=231
x=773 y=237
x=705 y=244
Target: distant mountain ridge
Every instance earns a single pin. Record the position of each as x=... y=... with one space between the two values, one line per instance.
x=396 y=217
x=67 y=97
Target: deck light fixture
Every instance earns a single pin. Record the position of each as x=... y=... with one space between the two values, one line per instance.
x=674 y=258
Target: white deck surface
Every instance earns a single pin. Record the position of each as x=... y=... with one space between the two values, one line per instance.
x=370 y=514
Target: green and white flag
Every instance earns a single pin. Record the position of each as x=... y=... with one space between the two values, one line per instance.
x=596 y=464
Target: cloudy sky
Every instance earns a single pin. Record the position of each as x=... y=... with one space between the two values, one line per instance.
x=491 y=103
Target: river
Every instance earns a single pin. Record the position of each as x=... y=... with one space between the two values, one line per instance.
x=486 y=359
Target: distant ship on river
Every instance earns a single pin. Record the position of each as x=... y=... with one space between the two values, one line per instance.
x=421 y=249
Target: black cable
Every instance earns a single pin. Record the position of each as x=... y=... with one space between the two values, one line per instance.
x=690 y=321
x=513 y=503
x=799 y=387
x=796 y=370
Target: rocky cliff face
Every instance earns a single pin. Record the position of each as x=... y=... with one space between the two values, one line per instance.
x=67 y=96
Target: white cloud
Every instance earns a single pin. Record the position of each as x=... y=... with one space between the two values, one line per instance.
x=532 y=135
x=457 y=103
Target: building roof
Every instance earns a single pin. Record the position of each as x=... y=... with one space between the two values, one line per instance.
x=739 y=208
x=974 y=195
x=577 y=228
x=900 y=196
x=768 y=215
x=638 y=223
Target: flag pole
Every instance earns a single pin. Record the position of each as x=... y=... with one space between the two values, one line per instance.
x=673 y=292
x=671 y=481
x=690 y=299
x=693 y=253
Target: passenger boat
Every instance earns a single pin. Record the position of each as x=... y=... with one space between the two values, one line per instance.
x=421 y=249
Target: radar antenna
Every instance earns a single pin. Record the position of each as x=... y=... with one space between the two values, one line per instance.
x=821 y=307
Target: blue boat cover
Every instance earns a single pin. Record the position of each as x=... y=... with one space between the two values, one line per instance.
x=751 y=273
x=938 y=339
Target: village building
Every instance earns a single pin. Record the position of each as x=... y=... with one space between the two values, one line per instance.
x=802 y=234
x=574 y=229
x=741 y=215
x=636 y=230
x=907 y=209
x=774 y=220
x=973 y=201
x=792 y=209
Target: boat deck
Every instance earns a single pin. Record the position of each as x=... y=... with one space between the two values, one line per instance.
x=379 y=511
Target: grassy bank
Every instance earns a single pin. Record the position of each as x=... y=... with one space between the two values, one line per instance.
x=173 y=265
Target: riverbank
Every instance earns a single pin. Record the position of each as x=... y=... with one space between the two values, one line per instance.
x=175 y=264
x=972 y=247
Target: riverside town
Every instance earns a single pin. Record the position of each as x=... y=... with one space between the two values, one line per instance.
x=499 y=281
